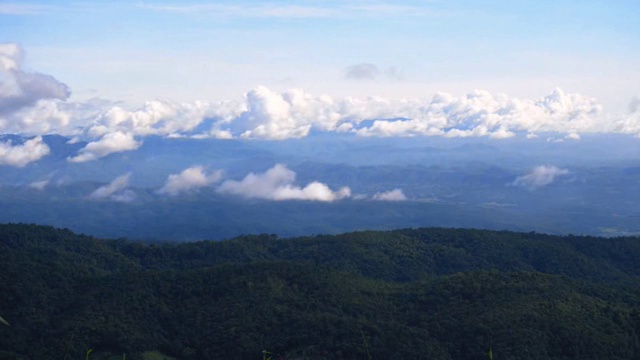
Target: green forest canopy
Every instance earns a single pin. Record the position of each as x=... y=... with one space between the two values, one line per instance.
x=428 y=293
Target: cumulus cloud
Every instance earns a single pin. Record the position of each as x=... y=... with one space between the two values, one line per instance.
x=276 y=116
x=361 y=72
x=116 y=190
x=481 y=113
x=295 y=113
x=108 y=144
x=35 y=103
x=188 y=180
x=23 y=88
x=277 y=183
x=539 y=177
x=391 y=195
x=164 y=118
x=23 y=154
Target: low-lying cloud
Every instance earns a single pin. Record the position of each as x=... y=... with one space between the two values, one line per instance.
x=539 y=177
x=391 y=195
x=116 y=190
x=189 y=180
x=277 y=184
x=23 y=154
x=108 y=144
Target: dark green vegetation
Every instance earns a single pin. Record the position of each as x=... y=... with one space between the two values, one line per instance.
x=405 y=294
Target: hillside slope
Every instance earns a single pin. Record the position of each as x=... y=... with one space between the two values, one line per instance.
x=413 y=293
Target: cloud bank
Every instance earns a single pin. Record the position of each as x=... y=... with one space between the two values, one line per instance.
x=540 y=176
x=277 y=183
x=36 y=104
x=189 y=180
x=270 y=115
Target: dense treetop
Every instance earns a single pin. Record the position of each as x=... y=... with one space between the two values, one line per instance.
x=428 y=293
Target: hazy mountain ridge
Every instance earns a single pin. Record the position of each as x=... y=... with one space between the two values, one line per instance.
x=586 y=186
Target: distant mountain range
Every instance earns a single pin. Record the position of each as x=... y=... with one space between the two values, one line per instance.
x=587 y=186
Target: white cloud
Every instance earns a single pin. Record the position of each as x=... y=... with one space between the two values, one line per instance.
x=573 y=136
x=10 y=56
x=539 y=177
x=277 y=184
x=276 y=116
x=189 y=180
x=108 y=144
x=116 y=190
x=164 y=118
x=34 y=103
x=481 y=113
x=391 y=195
x=294 y=113
x=21 y=155
x=48 y=116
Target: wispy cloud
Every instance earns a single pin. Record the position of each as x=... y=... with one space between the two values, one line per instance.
x=540 y=176
x=39 y=184
x=367 y=71
x=22 y=8
x=250 y=10
x=116 y=190
x=294 y=11
x=362 y=71
x=277 y=183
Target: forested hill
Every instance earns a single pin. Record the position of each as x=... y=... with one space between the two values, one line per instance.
x=407 y=294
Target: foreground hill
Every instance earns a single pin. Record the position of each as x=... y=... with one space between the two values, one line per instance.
x=406 y=294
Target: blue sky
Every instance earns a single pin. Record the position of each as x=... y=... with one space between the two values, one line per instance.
x=139 y=50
